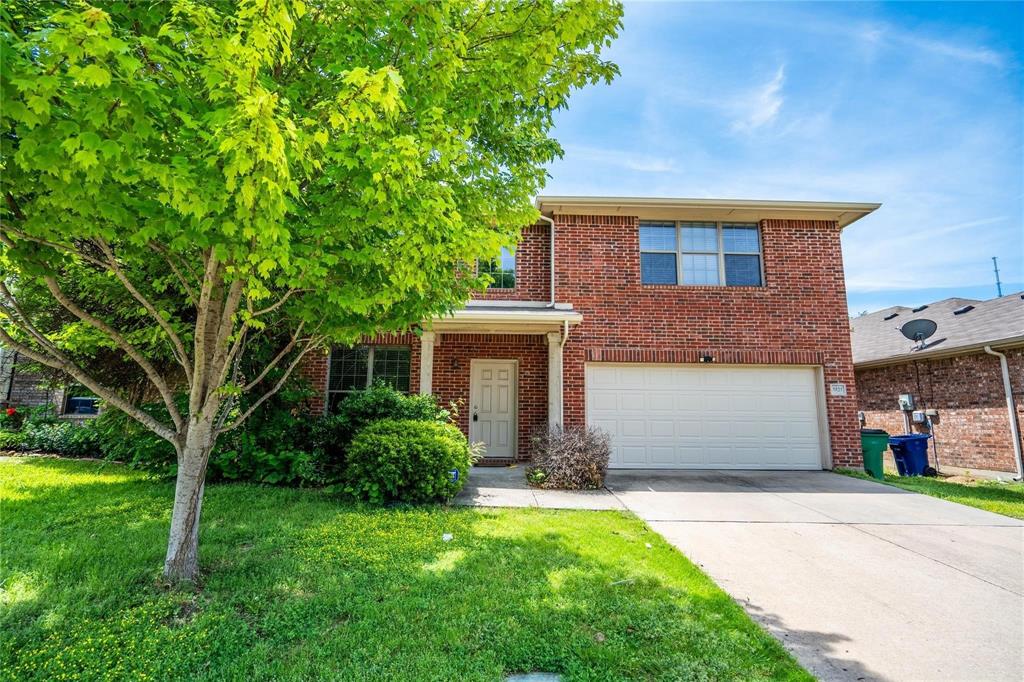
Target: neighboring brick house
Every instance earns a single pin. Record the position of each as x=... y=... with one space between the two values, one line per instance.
x=698 y=333
x=20 y=386
x=977 y=423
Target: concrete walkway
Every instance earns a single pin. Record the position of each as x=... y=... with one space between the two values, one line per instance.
x=859 y=580
x=506 y=487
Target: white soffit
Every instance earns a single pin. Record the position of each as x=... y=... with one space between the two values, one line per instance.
x=739 y=210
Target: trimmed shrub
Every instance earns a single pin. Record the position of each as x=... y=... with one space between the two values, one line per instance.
x=408 y=461
x=574 y=458
x=332 y=435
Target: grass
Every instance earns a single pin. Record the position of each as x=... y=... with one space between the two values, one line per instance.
x=298 y=586
x=993 y=496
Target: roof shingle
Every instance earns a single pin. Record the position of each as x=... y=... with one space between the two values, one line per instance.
x=877 y=338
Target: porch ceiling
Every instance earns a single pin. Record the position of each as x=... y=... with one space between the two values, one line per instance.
x=506 y=319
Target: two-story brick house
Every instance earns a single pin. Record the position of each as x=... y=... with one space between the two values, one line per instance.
x=698 y=333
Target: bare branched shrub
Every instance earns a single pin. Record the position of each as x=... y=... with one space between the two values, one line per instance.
x=573 y=458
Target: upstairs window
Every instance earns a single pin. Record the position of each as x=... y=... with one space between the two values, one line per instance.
x=502 y=270
x=700 y=253
x=357 y=368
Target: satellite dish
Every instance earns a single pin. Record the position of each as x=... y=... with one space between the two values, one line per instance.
x=918 y=330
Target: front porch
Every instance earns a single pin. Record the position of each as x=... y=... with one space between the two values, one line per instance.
x=500 y=366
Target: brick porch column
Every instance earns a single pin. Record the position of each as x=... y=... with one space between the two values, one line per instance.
x=554 y=379
x=427 y=363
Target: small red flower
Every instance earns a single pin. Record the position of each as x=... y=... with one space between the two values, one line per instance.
x=11 y=412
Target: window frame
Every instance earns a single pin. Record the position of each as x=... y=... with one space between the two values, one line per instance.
x=370 y=348
x=721 y=253
x=497 y=283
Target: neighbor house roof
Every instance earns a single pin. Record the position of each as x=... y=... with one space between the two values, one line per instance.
x=963 y=325
x=740 y=210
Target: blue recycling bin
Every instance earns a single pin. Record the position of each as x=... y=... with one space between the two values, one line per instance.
x=911 y=453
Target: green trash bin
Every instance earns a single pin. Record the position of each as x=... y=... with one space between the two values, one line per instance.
x=873 y=444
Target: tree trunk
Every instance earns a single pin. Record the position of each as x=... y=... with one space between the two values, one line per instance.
x=182 y=562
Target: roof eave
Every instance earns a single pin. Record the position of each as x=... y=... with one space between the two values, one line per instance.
x=844 y=213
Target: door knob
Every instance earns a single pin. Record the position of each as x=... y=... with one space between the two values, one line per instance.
x=475 y=416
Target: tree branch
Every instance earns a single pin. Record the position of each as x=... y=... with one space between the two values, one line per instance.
x=189 y=290
x=122 y=343
x=273 y=363
x=60 y=361
x=177 y=346
x=314 y=342
x=274 y=306
x=199 y=359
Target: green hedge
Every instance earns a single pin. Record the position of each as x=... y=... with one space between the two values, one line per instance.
x=407 y=460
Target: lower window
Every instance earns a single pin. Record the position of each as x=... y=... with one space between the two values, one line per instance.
x=357 y=368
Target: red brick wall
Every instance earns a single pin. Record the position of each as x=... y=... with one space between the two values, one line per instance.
x=533 y=269
x=973 y=430
x=452 y=354
x=798 y=317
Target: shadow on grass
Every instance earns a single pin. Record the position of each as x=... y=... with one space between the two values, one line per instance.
x=299 y=586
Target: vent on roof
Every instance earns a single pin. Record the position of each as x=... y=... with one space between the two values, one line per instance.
x=889 y=317
x=918 y=308
x=963 y=309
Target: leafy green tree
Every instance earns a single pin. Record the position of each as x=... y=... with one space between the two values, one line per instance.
x=325 y=168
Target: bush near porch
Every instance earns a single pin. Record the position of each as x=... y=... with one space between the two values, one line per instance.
x=302 y=588
x=569 y=458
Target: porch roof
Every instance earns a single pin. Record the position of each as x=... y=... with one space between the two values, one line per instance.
x=508 y=318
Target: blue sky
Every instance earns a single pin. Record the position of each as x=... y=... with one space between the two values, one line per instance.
x=914 y=105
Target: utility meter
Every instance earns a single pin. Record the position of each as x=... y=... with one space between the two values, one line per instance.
x=918 y=416
x=906 y=402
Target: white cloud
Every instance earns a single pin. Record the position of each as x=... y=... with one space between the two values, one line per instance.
x=763 y=105
x=965 y=53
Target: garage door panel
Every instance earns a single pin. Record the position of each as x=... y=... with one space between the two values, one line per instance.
x=632 y=428
x=661 y=428
x=662 y=454
x=706 y=417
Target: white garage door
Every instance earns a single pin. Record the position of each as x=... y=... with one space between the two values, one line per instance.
x=685 y=417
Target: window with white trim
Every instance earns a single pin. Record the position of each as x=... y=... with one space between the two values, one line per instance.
x=502 y=270
x=359 y=367
x=700 y=253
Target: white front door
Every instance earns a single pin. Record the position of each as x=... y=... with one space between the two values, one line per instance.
x=492 y=406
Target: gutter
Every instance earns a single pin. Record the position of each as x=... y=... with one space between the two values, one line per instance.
x=551 y=254
x=1011 y=409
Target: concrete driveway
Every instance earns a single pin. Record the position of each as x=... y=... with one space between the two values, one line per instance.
x=858 y=580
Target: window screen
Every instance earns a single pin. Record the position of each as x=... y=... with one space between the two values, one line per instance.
x=355 y=369
x=700 y=253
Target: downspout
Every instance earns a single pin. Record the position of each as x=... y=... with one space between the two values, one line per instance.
x=1008 y=389
x=552 y=255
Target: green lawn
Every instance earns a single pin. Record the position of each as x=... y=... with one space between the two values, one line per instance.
x=300 y=586
x=1001 y=498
